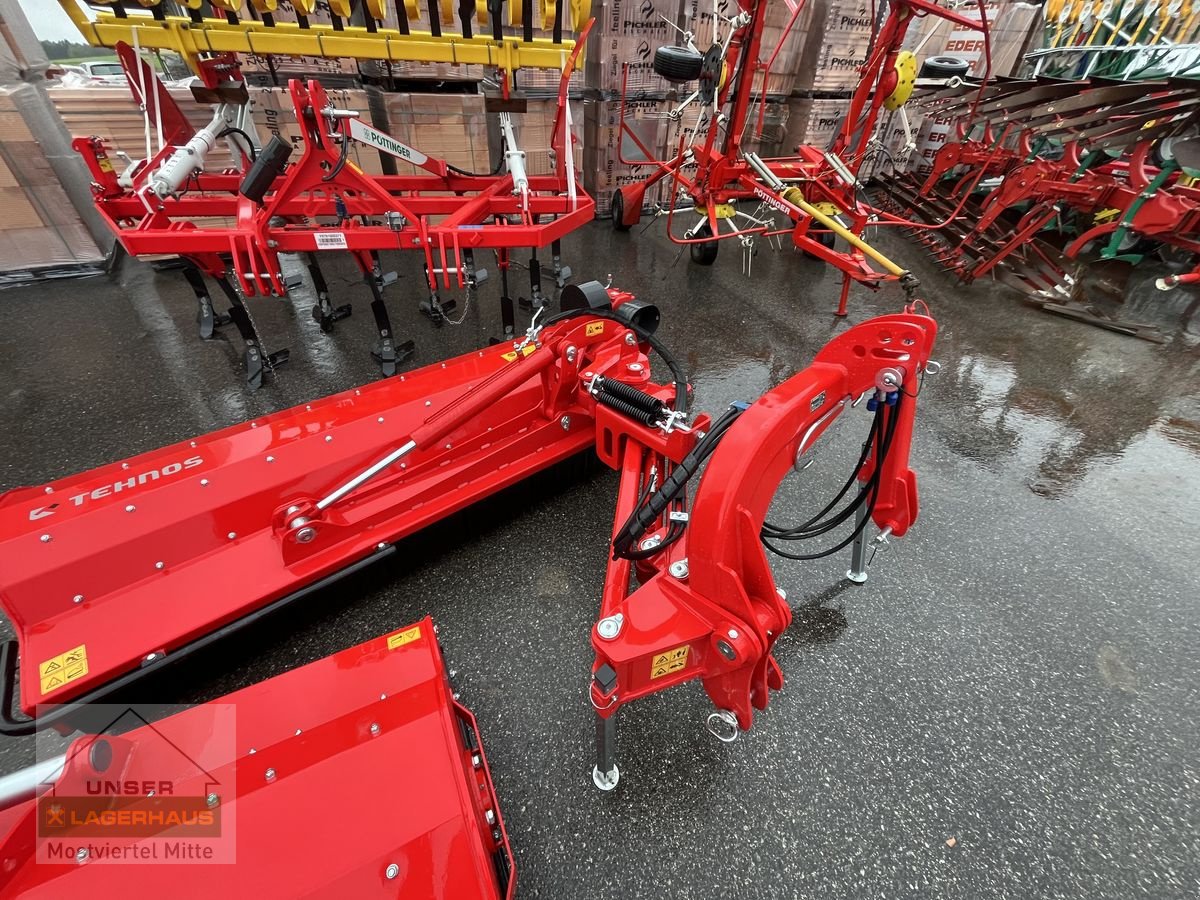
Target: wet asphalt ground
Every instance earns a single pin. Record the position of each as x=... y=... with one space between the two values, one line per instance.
x=1007 y=708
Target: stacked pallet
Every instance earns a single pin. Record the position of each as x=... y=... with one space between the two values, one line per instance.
x=40 y=229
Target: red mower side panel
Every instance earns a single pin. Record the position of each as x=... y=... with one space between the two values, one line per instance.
x=357 y=775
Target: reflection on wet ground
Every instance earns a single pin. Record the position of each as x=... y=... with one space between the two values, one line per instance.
x=1019 y=674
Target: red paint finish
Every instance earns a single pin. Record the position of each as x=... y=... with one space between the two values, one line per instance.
x=370 y=768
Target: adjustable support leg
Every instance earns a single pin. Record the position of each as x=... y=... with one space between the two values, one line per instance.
x=325 y=313
x=206 y=318
x=605 y=774
x=255 y=358
x=387 y=353
x=857 y=572
x=561 y=272
x=845 y=296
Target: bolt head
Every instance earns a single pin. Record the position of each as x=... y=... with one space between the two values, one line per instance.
x=49 y=490
x=270 y=774
x=630 y=339
x=565 y=422
x=159 y=565
x=635 y=367
x=679 y=569
x=203 y=482
x=490 y=815
x=212 y=800
x=380 y=420
x=78 y=598
x=733 y=635
x=374 y=728
x=45 y=538
x=270 y=459
x=306 y=535
x=610 y=626
x=130 y=508
x=232 y=535
x=328 y=438
x=391 y=872
x=151 y=657
x=81 y=854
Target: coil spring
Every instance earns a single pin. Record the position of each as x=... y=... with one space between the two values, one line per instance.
x=631 y=395
x=626 y=408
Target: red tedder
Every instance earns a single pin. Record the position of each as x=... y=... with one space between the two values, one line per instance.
x=817 y=190
x=234 y=773
x=113 y=574
x=233 y=225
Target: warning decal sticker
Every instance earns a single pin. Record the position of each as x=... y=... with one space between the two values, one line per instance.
x=61 y=670
x=668 y=661
x=593 y=329
x=407 y=636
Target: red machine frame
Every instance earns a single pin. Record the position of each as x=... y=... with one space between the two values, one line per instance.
x=89 y=561
x=237 y=771
x=796 y=186
x=322 y=202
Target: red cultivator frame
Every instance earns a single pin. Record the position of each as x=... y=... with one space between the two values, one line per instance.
x=237 y=771
x=817 y=190
x=1104 y=164
x=113 y=574
x=233 y=226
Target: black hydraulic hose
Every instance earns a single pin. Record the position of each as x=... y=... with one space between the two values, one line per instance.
x=780 y=532
x=646 y=514
x=341 y=163
x=869 y=493
x=677 y=373
x=253 y=154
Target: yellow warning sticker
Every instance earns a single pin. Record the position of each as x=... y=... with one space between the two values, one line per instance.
x=669 y=661
x=407 y=636
x=593 y=329
x=63 y=669
x=105 y=164
x=512 y=354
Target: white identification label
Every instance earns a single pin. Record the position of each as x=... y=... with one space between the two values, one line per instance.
x=330 y=240
x=364 y=133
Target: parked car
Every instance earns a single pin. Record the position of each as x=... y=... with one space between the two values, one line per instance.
x=104 y=71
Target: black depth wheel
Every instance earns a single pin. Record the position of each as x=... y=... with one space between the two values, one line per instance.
x=704 y=254
x=617 y=212
x=678 y=64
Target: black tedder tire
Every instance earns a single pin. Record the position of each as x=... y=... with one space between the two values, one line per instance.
x=618 y=212
x=944 y=67
x=677 y=64
x=704 y=254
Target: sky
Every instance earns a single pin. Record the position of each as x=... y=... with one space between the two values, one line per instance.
x=49 y=22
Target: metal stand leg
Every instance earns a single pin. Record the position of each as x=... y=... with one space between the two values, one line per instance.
x=206 y=318
x=324 y=312
x=605 y=773
x=858 y=550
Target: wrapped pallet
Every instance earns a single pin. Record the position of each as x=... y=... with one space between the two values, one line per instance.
x=40 y=231
x=450 y=126
x=610 y=155
x=779 y=42
x=626 y=35
x=836 y=35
